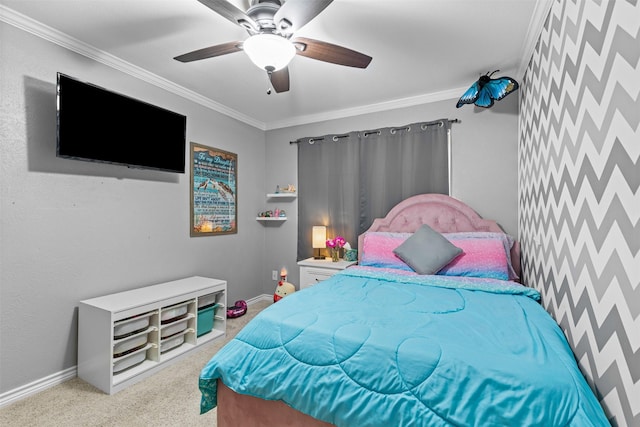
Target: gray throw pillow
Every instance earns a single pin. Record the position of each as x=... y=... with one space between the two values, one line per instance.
x=427 y=251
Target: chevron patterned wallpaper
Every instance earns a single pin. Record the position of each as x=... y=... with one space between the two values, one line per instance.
x=579 y=204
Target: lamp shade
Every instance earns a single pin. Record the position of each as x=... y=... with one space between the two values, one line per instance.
x=268 y=51
x=319 y=237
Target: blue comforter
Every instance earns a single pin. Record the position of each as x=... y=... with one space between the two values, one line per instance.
x=372 y=347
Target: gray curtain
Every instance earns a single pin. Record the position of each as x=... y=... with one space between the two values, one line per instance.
x=345 y=181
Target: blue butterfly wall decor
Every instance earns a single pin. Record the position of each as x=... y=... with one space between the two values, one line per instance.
x=483 y=92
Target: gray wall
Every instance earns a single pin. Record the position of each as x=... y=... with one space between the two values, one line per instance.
x=72 y=230
x=484 y=163
x=579 y=202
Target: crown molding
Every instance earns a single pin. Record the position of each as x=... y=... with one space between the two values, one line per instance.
x=52 y=35
x=366 y=109
x=536 y=24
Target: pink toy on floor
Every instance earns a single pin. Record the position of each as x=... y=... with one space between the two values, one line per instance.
x=239 y=308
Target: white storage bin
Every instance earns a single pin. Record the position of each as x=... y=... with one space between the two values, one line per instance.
x=174 y=328
x=174 y=311
x=129 y=361
x=129 y=326
x=129 y=344
x=206 y=300
x=171 y=343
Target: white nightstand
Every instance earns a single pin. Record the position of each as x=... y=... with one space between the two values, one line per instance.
x=313 y=271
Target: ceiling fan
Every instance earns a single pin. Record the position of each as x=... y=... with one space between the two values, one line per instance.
x=271 y=24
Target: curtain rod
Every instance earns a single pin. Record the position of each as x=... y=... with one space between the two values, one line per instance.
x=369 y=132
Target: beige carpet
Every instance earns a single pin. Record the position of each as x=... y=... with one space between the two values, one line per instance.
x=168 y=398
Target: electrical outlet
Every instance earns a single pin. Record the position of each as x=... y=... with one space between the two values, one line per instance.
x=274 y=275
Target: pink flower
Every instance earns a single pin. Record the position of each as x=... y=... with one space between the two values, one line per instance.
x=337 y=242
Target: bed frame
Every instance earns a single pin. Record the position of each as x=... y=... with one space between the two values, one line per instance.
x=442 y=213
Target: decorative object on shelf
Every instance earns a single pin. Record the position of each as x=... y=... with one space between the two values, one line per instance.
x=485 y=90
x=284 y=288
x=319 y=239
x=334 y=246
x=275 y=214
x=213 y=191
x=238 y=309
x=290 y=188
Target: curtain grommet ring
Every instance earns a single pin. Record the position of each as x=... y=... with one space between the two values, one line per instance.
x=394 y=130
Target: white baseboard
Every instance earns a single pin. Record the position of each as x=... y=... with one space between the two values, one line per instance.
x=37 y=386
x=259 y=298
x=58 y=378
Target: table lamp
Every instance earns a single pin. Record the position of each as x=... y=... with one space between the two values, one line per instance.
x=319 y=239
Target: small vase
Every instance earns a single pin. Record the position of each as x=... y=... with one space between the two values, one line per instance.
x=335 y=254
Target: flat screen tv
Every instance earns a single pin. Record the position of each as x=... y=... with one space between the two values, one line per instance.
x=98 y=125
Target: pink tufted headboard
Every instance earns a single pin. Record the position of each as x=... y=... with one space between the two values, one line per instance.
x=440 y=212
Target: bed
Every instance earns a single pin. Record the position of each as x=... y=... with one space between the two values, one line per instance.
x=392 y=343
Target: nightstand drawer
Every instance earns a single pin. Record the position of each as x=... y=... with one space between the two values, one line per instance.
x=314 y=270
x=310 y=276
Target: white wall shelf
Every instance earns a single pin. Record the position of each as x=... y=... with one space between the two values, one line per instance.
x=282 y=195
x=271 y=218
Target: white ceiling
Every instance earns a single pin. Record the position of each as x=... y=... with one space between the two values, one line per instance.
x=423 y=50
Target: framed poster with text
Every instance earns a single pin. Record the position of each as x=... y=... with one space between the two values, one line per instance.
x=214 y=191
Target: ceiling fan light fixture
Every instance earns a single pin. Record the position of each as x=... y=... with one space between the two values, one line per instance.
x=269 y=51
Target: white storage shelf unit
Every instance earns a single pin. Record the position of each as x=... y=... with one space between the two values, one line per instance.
x=125 y=337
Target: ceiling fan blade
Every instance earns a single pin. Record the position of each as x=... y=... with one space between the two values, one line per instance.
x=280 y=79
x=327 y=52
x=232 y=13
x=294 y=14
x=210 y=52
